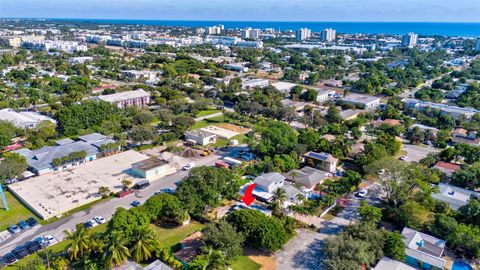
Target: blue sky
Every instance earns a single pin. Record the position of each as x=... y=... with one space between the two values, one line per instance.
x=250 y=10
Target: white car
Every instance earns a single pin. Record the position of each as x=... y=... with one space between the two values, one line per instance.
x=362 y=193
x=403 y=157
x=50 y=240
x=100 y=219
x=189 y=166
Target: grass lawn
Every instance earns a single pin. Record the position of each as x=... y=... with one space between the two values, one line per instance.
x=172 y=236
x=17 y=212
x=206 y=112
x=208 y=122
x=244 y=263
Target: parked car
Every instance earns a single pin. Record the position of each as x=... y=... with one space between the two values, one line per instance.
x=403 y=157
x=32 y=246
x=100 y=219
x=9 y=258
x=135 y=203
x=50 y=239
x=23 y=225
x=32 y=222
x=89 y=224
x=188 y=166
x=20 y=252
x=14 y=229
x=41 y=242
x=124 y=193
x=165 y=190
x=362 y=193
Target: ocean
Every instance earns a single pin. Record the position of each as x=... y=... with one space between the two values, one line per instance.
x=440 y=28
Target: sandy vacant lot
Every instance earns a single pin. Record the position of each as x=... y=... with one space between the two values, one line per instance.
x=56 y=193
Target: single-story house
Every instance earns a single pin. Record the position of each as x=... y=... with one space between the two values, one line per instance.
x=447 y=168
x=200 y=137
x=23 y=119
x=364 y=101
x=307 y=176
x=423 y=250
x=152 y=168
x=189 y=248
x=348 y=114
x=63 y=154
x=390 y=264
x=455 y=197
x=461 y=135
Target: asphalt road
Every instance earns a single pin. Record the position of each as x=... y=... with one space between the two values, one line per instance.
x=105 y=209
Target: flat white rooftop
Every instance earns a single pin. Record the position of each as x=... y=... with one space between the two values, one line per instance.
x=140 y=93
x=54 y=194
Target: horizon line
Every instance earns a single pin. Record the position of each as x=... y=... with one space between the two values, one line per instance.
x=211 y=20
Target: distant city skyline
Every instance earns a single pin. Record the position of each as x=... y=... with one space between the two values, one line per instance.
x=249 y=10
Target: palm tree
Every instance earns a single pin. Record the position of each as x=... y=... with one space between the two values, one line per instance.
x=79 y=242
x=279 y=197
x=300 y=198
x=144 y=243
x=116 y=252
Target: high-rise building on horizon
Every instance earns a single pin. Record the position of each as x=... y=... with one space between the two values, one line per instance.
x=215 y=30
x=247 y=32
x=328 y=34
x=250 y=33
x=302 y=34
x=409 y=40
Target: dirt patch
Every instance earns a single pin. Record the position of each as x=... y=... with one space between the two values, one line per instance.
x=234 y=128
x=265 y=259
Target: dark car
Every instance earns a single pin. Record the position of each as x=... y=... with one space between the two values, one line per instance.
x=20 y=252
x=32 y=222
x=23 y=225
x=40 y=241
x=9 y=258
x=32 y=246
x=135 y=203
x=87 y=225
x=14 y=229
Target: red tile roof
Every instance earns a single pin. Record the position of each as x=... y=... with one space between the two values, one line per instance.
x=447 y=166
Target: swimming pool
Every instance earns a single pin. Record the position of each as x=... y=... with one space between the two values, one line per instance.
x=461 y=265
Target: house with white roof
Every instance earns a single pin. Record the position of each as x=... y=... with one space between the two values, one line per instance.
x=423 y=250
x=268 y=183
x=455 y=197
x=364 y=101
x=23 y=119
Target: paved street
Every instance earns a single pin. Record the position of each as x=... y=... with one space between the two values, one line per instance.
x=303 y=252
x=105 y=209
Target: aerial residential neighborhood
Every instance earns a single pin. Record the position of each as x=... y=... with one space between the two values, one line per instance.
x=238 y=144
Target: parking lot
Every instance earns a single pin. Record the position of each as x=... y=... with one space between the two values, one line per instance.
x=53 y=194
x=415 y=153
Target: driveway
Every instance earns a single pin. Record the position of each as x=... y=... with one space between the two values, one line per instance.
x=303 y=252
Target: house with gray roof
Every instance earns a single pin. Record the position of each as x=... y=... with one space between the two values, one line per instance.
x=423 y=250
x=307 y=176
x=456 y=197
